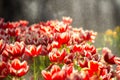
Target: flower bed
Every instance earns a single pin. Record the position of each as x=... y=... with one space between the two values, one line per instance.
x=53 y=50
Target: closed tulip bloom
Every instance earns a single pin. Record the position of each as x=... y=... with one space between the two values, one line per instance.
x=33 y=51
x=18 y=68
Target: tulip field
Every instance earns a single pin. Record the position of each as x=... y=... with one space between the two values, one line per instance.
x=53 y=50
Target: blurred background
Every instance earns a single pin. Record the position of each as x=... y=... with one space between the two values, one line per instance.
x=97 y=15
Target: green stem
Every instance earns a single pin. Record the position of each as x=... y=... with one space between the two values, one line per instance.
x=16 y=78
x=34 y=66
x=8 y=78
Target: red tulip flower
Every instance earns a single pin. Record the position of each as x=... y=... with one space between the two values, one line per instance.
x=15 y=50
x=55 y=44
x=33 y=51
x=69 y=58
x=18 y=68
x=54 y=69
x=2 y=46
x=57 y=56
x=77 y=48
x=83 y=63
x=58 y=74
x=117 y=60
x=88 y=35
x=108 y=56
x=93 y=67
x=23 y=23
x=13 y=32
x=90 y=48
x=67 y=20
x=46 y=75
x=11 y=24
x=93 y=70
x=61 y=27
x=4 y=70
x=62 y=38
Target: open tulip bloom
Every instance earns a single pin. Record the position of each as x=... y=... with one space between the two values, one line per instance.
x=53 y=50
